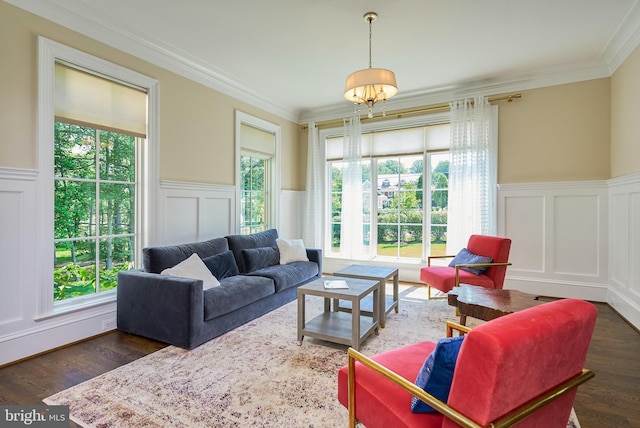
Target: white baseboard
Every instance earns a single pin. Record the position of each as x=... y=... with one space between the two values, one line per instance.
x=39 y=339
x=623 y=306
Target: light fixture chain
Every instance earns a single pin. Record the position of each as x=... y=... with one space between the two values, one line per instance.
x=370 y=42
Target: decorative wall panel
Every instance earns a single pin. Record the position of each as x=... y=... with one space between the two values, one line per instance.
x=195 y=212
x=624 y=241
x=559 y=233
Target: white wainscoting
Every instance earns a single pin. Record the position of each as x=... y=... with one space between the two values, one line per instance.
x=569 y=239
x=624 y=243
x=17 y=220
x=290 y=214
x=191 y=212
x=22 y=333
x=559 y=235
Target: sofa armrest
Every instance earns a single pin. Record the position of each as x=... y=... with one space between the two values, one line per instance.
x=315 y=255
x=160 y=307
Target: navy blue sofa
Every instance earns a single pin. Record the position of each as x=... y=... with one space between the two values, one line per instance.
x=177 y=311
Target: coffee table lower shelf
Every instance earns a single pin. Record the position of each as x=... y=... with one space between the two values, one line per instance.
x=337 y=327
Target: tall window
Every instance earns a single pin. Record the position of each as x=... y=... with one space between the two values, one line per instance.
x=94 y=179
x=257 y=146
x=96 y=167
x=254 y=194
x=95 y=203
x=404 y=204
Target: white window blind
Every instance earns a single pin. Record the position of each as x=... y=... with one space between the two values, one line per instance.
x=396 y=141
x=257 y=140
x=86 y=99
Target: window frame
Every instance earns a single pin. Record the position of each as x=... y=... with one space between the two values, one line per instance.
x=272 y=175
x=392 y=124
x=146 y=168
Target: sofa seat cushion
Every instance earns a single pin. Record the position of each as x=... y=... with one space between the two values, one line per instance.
x=289 y=275
x=391 y=409
x=157 y=259
x=235 y=292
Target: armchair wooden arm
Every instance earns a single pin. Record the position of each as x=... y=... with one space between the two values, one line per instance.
x=467 y=265
x=461 y=329
x=507 y=420
x=438 y=257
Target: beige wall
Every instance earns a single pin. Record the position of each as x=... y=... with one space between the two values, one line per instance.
x=625 y=117
x=197 y=124
x=580 y=131
x=558 y=133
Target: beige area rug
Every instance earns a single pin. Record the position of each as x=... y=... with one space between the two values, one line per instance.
x=254 y=376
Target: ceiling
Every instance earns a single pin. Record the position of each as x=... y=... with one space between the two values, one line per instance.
x=291 y=57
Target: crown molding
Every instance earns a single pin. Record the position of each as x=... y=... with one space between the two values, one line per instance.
x=486 y=87
x=625 y=40
x=90 y=23
x=87 y=22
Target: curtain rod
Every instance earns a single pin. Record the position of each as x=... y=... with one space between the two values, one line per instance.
x=409 y=112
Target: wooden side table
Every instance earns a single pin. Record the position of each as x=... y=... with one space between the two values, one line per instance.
x=488 y=303
x=339 y=327
x=381 y=274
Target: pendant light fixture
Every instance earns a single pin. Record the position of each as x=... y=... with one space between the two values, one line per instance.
x=370 y=85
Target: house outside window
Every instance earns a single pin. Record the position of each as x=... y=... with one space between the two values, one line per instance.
x=405 y=205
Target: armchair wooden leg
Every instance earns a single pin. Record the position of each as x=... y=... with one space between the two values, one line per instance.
x=428 y=292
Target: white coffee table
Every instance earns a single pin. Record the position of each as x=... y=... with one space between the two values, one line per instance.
x=347 y=328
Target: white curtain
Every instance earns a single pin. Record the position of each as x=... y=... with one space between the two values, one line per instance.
x=312 y=222
x=351 y=237
x=473 y=171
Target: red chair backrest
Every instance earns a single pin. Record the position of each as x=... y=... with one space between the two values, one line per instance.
x=495 y=247
x=510 y=360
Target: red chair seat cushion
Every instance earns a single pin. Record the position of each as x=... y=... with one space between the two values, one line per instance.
x=443 y=278
x=393 y=407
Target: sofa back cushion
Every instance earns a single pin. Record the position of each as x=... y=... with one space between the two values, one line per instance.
x=222 y=265
x=237 y=243
x=157 y=259
x=257 y=258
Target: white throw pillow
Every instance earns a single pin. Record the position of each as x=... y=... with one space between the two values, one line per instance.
x=291 y=250
x=194 y=268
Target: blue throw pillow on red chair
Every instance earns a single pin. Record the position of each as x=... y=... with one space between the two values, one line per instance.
x=436 y=374
x=467 y=257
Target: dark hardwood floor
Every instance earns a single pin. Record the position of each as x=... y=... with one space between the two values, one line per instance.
x=611 y=399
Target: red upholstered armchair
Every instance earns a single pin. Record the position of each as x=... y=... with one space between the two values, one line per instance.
x=521 y=368
x=444 y=278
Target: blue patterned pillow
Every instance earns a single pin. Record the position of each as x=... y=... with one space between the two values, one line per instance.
x=436 y=374
x=467 y=257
